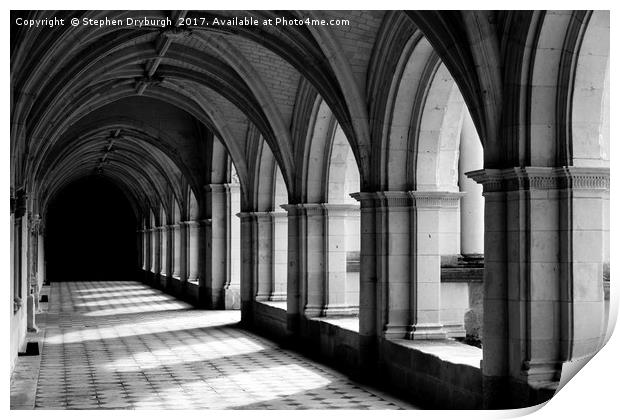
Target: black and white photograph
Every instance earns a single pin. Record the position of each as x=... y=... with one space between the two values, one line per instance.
x=307 y=209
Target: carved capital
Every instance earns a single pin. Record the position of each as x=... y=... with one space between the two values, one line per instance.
x=436 y=199
x=366 y=199
x=541 y=178
x=217 y=188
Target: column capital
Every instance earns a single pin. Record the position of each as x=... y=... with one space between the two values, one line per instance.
x=308 y=208
x=436 y=199
x=278 y=214
x=262 y=214
x=341 y=207
x=383 y=199
x=246 y=216
x=541 y=178
x=224 y=187
x=316 y=208
x=366 y=199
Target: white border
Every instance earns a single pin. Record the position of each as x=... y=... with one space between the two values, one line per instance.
x=592 y=393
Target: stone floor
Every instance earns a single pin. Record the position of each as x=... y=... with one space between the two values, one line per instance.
x=122 y=345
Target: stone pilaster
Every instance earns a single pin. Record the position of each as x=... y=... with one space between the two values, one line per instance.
x=401 y=263
x=317 y=235
x=32 y=260
x=40 y=265
x=155 y=250
x=264 y=255
x=472 y=203
x=192 y=229
x=146 y=240
x=543 y=296
x=177 y=251
x=336 y=259
x=165 y=255
x=279 y=256
x=426 y=250
x=249 y=245
x=370 y=329
x=223 y=288
x=232 y=287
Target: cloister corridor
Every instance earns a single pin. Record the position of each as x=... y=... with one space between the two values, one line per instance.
x=418 y=199
x=124 y=345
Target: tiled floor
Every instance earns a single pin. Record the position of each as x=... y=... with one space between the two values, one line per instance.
x=122 y=345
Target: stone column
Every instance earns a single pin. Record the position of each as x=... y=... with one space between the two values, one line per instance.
x=147 y=251
x=395 y=262
x=296 y=260
x=543 y=289
x=426 y=251
x=32 y=260
x=204 y=230
x=319 y=236
x=20 y=235
x=140 y=245
x=155 y=251
x=184 y=248
x=165 y=256
x=40 y=266
x=249 y=247
x=472 y=204
x=142 y=238
x=264 y=255
x=279 y=256
x=369 y=327
x=177 y=251
x=232 y=290
x=192 y=229
x=308 y=246
x=336 y=259
x=400 y=267
x=223 y=289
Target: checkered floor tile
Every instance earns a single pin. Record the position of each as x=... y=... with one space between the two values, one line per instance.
x=122 y=345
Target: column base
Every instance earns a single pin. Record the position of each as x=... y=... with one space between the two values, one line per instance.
x=455 y=330
x=262 y=297
x=542 y=372
x=340 y=310
x=427 y=332
x=313 y=311
x=395 y=331
x=329 y=311
x=277 y=297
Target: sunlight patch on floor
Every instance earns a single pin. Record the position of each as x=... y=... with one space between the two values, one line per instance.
x=185 y=354
x=224 y=392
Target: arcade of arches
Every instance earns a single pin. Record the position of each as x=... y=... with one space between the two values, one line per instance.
x=419 y=197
